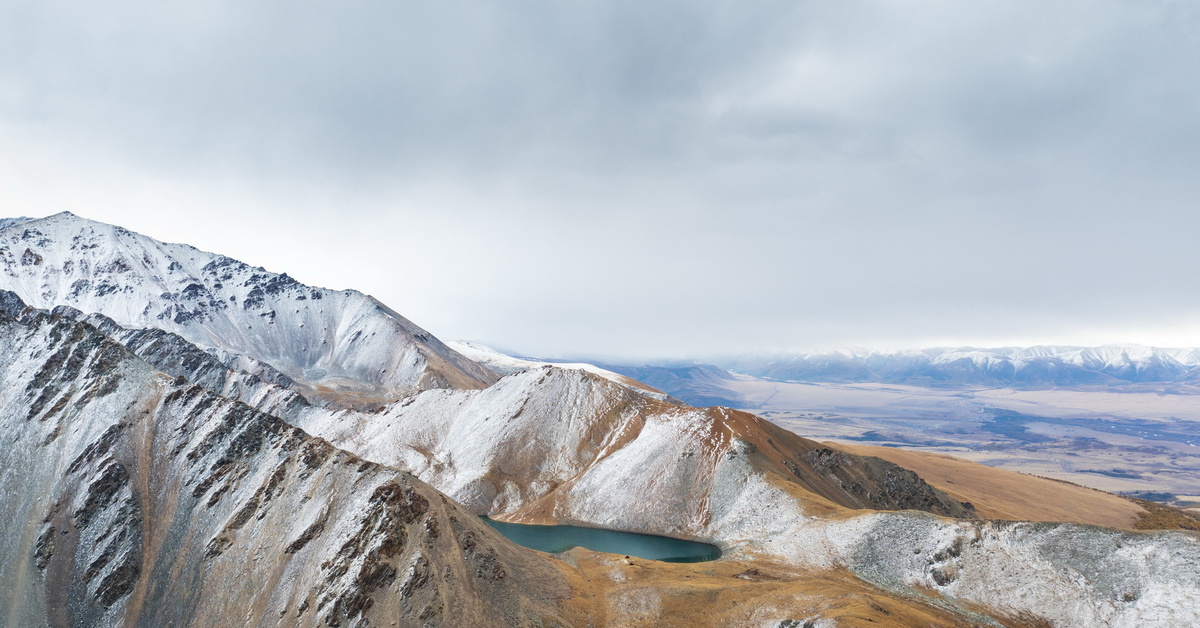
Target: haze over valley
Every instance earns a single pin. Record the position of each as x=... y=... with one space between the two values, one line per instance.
x=1120 y=419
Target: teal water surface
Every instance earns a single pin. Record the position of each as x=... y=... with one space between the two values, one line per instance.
x=556 y=539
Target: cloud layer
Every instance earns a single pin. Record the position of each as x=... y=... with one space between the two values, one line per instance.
x=630 y=178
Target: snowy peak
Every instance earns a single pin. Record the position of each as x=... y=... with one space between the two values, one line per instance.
x=118 y=479
x=342 y=345
x=1009 y=366
x=504 y=364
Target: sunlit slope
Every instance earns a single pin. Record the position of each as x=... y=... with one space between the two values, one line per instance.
x=620 y=591
x=1001 y=494
x=564 y=444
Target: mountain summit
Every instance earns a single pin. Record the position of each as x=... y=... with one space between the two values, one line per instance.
x=341 y=346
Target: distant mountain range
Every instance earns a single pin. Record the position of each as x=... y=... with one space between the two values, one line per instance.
x=706 y=384
x=1009 y=366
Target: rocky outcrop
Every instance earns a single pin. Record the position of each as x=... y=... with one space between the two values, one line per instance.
x=135 y=498
x=236 y=377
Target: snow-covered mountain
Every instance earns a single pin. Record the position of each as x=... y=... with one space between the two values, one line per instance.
x=132 y=498
x=504 y=364
x=573 y=446
x=1028 y=366
x=339 y=345
x=184 y=464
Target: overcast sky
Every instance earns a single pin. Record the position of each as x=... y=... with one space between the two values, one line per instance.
x=644 y=179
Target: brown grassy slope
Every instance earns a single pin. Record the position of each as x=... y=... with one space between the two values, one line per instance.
x=1002 y=494
x=852 y=481
x=1163 y=517
x=613 y=590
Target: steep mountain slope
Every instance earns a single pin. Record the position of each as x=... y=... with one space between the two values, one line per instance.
x=177 y=491
x=1001 y=494
x=588 y=450
x=340 y=345
x=557 y=445
x=135 y=499
x=450 y=438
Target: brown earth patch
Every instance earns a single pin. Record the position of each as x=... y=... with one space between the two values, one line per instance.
x=612 y=590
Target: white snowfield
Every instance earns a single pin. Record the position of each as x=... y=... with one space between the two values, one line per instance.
x=344 y=340
x=571 y=445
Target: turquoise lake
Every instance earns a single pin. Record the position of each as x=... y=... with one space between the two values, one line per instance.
x=556 y=539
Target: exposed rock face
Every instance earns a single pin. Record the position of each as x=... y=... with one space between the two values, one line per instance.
x=137 y=498
x=238 y=378
x=344 y=345
x=132 y=498
x=149 y=487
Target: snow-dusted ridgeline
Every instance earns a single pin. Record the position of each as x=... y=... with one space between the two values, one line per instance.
x=553 y=443
x=550 y=444
x=577 y=447
x=342 y=344
x=135 y=498
x=503 y=364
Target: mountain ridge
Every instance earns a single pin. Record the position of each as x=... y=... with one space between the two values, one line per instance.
x=1039 y=365
x=134 y=498
x=542 y=444
x=343 y=345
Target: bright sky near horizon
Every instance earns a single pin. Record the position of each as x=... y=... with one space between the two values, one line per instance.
x=632 y=179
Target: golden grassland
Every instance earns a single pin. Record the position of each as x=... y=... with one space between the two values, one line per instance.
x=1002 y=494
x=1163 y=517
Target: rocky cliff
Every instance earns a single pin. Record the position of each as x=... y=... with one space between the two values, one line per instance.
x=341 y=345
x=135 y=498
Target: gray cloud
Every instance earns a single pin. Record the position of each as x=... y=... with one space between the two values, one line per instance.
x=634 y=178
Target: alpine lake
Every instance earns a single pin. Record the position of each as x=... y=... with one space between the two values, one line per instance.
x=560 y=538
